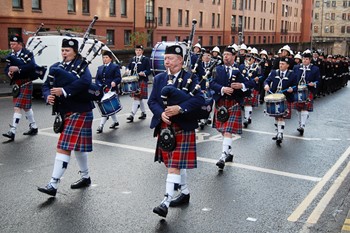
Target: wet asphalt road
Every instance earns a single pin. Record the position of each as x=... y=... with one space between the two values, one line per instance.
x=267 y=188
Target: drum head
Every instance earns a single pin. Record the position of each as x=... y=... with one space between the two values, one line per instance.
x=274 y=97
x=302 y=87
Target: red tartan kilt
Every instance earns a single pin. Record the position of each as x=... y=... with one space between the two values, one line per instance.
x=234 y=122
x=255 y=98
x=184 y=156
x=143 y=93
x=306 y=106
x=76 y=134
x=24 y=100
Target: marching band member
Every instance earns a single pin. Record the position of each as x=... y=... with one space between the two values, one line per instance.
x=108 y=76
x=140 y=66
x=282 y=80
x=178 y=118
x=251 y=71
x=228 y=85
x=23 y=100
x=76 y=134
x=309 y=75
x=266 y=67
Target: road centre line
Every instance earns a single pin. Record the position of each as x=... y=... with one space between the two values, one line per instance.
x=202 y=159
x=317 y=189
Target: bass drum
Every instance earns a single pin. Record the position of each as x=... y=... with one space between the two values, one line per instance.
x=157 y=56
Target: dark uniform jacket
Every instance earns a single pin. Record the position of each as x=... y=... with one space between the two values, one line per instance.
x=143 y=65
x=105 y=76
x=312 y=74
x=289 y=80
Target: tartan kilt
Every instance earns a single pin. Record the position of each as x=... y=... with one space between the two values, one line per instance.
x=234 y=122
x=255 y=98
x=77 y=133
x=24 y=100
x=306 y=106
x=184 y=156
x=143 y=93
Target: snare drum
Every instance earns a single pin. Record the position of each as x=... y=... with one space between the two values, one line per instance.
x=302 y=93
x=276 y=104
x=130 y=84
x=109 y=104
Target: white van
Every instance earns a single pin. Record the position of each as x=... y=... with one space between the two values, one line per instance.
x=47 y=51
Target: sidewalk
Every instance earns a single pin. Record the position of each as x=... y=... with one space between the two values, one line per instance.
x=346 y=226
x=5 y=89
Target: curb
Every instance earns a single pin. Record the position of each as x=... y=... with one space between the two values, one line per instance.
x=346 y=226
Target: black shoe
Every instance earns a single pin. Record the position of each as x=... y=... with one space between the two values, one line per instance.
x=301 y=131
x=249 y=120
x=99 y=129
x=49 y=190
x=31 y=131
x=83 y=182
x=9 y=135
x=161 y=210
x=143 y=116
x=221 y=164
x=114 y=125
x=130 y=119
x=180 y=200
x=201 y=125
x=229 y=158
x=245 y=124
x=208 y=122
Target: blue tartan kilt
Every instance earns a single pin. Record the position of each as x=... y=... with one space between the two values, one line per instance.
x=77 y=133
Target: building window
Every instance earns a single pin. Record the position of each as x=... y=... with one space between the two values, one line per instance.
x=150 y=10
x=219 y=40
x=164 y=38
x=342 y=29
x=200 y=40
x=327 y=16
x=213 y=1
x=240 y=4
x=71 y=6
x=326 y=29
x=333 y=16
x=86 y=7
x=17 y=4
x=36 y=4
x=110 y=37
x=210 y=40
x=345 y=3
x=317 y=15
x=331 y=29
x=218 y=23
x=334 y=3
x=213 y=20
x=177 y=38
x=348 y=16
x=234 y=4
x=168 y=16
x=123 y=7
x=127 y=34
x=343 y=16
x=112 y=7
x=179 y=20
x=248 y=39
x=187 y=17
x=200 y=19
x=315 y=29
x=232 y=40
x=160 y=16
x=233 y=22
x=348 y=29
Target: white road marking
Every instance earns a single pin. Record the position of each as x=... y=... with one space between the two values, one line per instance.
x=316 y=190
x=207 y=160
x=284 y=135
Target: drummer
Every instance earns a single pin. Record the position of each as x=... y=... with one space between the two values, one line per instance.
x=283 y=81
x=108 y=77
x=139 y=66
x=307 y=75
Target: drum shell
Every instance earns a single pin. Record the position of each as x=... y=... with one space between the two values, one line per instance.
x=301 y=94
x=157 y=55
x=130 y=84
x=276 y=105
x=109 y=106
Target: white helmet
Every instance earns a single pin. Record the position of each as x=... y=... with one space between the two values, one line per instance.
x=297 y=56
x=216 y=49
x=287 y=48
x=243 y=47
x=197 y=45
x=263 y=52
x=236 y=47
x=249 y=48
x=254 y=51
x=279 y=51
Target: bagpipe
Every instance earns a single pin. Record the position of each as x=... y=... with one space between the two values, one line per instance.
x=187 y=58
x=172 y=95
x=25 y=58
